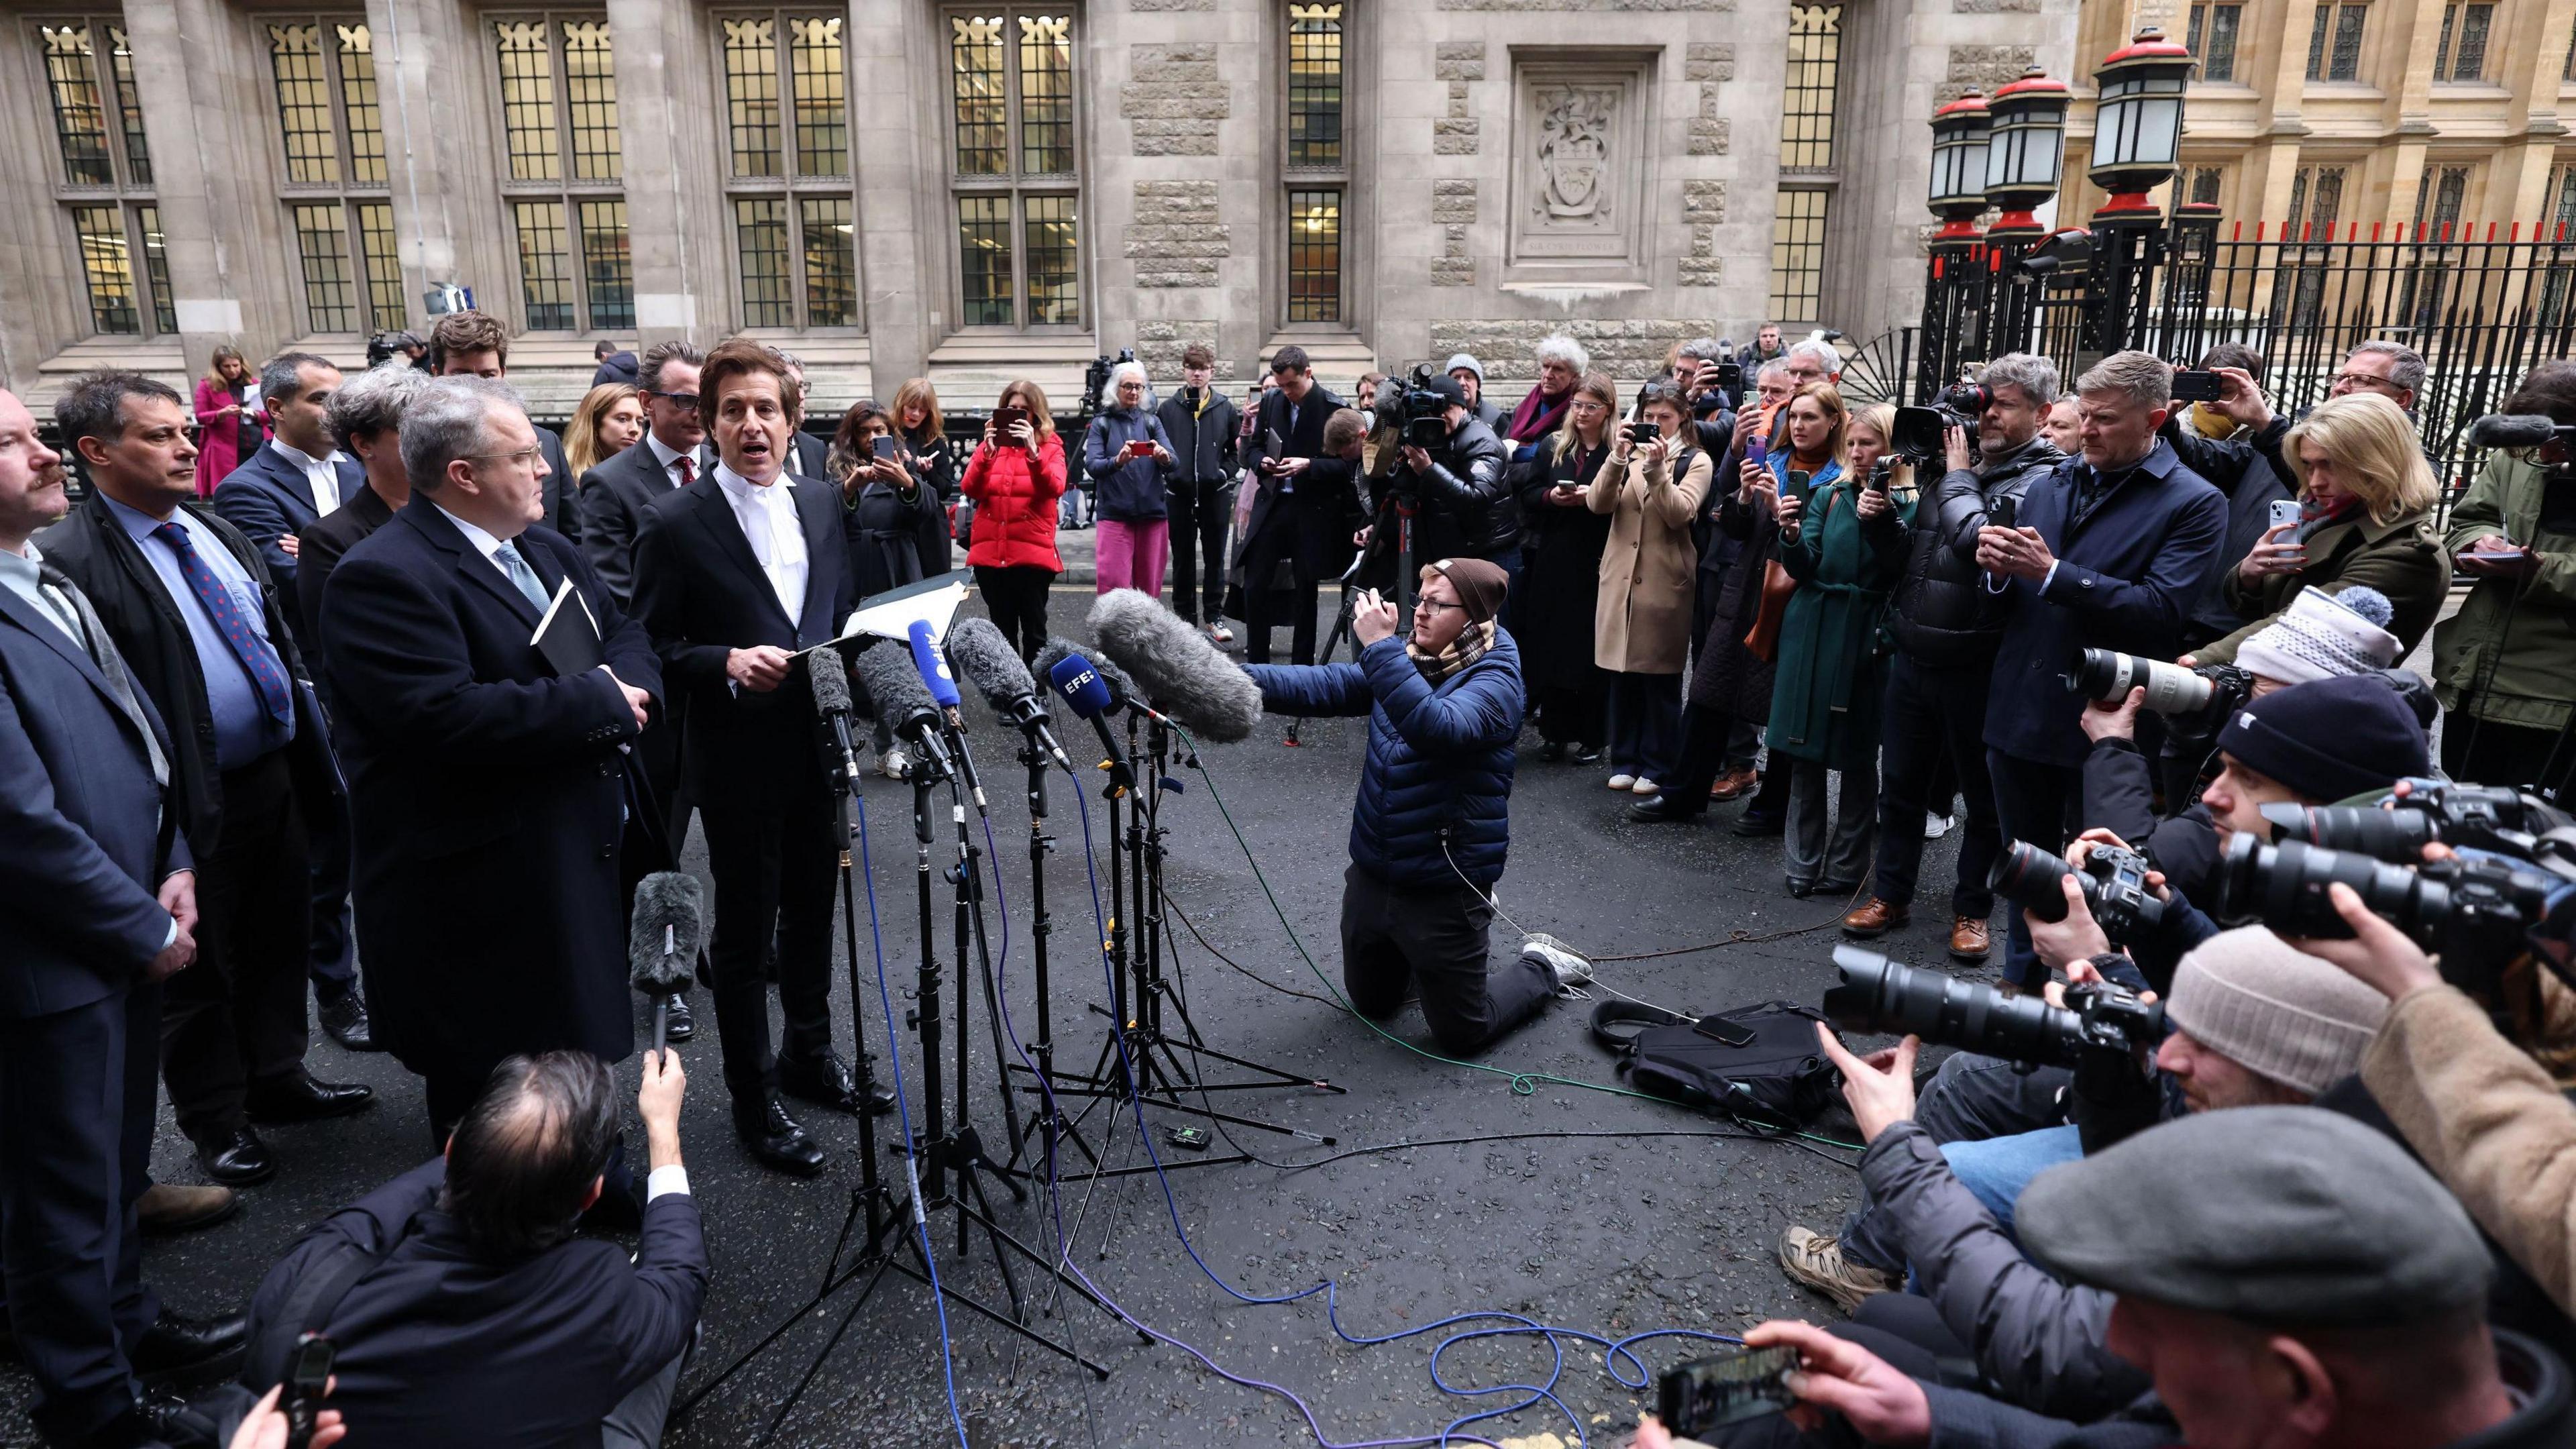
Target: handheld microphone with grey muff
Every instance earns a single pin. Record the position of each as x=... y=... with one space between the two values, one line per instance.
x=1183 y=674
x=986 y=658
x=902 y=701
x=663 y=935
x=831 y=681
x=2513 y=430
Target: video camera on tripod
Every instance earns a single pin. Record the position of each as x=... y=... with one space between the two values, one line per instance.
x=1876 y=994
x=1417 y=416
x=1922 y=432
x=1095 y=378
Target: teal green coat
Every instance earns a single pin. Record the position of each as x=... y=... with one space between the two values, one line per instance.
x=1826 y=698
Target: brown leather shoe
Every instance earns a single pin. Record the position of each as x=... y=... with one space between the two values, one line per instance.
x=1874 y=920
x=1735 y=784
x=168 y=1207
x=1968 y=939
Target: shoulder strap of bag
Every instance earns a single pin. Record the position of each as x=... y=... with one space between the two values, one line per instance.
x=311 y=1302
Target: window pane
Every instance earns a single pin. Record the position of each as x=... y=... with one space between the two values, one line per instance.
x=2471 y=58
x=1046 y=94
x=545 y=271
x=303 y=104
x=760 y=234
x=330 y=299
x=2326 y=200
x=388 y=304
x=751 y=94
x=107 y=269
x=2346 y=64
x=1055 y=297
x=607 y=265
x=1314 y=256
x=983 y=127
x=528 y=102
x=822 y=106
x=1314 y=85
x=831 y=263
x=1798 y=255
x=129 y=107
x=590 y=90
x=79 y=124
x=156 y=269
x=2221 y=63
x=358 y=104
x=2316 y=39
x=984 y=259
x=1807 y=115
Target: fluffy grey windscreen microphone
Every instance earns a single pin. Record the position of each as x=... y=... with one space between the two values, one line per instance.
x=663 y=936
x=1121 y=688
x=977 y=650
x=888 y=675
x=1184 y=675
x=831 y=683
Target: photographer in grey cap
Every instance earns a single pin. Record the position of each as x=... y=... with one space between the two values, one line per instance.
x=2287 y=1277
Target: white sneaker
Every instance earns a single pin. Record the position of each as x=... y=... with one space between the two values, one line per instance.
x=1936 y=826
x=894 y=764
x=1623 y=782
x=1220 y=633
x=1568 y=969
x=1644 y=786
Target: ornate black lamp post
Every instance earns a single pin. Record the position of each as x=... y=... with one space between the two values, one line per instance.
x=2137 y=146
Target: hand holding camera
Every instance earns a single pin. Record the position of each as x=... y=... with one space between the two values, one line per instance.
x=1373 y=618
x=2379 y=955
x=2018 y=553
x=2112 y=721
x=1955 y=450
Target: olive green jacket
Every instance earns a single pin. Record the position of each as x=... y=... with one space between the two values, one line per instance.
x=2403 y=558
x=2524 y=631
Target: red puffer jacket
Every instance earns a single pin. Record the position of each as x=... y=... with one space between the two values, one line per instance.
x=1014 y=510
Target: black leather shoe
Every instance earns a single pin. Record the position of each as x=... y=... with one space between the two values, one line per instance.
x=237 y=1160
x=1752 y=824
x=345 y=1017
x=297 y=1097
x=1665 y=809
x=1586 y=755
x=774 y=1140
x=826 y=1081
x=1552 y=752
x=177 y=1349
x=158 y=1420
x=678 y=1024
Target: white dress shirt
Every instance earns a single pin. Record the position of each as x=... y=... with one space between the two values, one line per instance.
x=767 y=514
x=321 y=473
x=669 y=457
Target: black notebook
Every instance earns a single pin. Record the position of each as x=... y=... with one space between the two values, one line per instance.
x=568 y=636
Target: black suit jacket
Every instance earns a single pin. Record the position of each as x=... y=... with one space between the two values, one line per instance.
x=806 y=455
x=486 y=797
x=614 y=496
x=268 y=498
x=442 y=1345
x=92 y=547
x=81 y=838
x=1307 y=520
x=562 y=490
x=702 y=595
x=323 y=542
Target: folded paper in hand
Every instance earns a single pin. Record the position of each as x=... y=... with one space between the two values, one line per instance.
x=569 y=638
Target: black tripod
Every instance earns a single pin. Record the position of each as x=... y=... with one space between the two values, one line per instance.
x=1401 y=540
x=890 y=1243
x=1047 y=1126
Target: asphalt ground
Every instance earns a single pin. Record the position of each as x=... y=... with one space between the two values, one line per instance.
x=1572 y=1210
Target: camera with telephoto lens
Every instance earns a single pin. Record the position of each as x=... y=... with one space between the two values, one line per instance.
x=1414 y=411
x=2477 y=817
x=1921 y=432
x=1876 y=994
x=2114 y=882
x=2196 y=702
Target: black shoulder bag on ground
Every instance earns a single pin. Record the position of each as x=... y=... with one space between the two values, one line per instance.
x=1757 y=1064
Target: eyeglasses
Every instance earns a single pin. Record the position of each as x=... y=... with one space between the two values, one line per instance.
x=688 y=400
x=527 y=456
x=1433 y=606
x=2363 y=379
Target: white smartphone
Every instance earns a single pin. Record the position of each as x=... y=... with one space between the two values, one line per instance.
x=2284 y=511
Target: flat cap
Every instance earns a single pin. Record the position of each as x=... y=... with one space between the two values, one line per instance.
x=2281 y=1216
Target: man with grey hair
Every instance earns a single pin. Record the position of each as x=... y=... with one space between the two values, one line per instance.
x=486 y=786
x=298 y=477
x=1948 y=626
x=1561 y=361
x=365 y=416
x=2109 y=551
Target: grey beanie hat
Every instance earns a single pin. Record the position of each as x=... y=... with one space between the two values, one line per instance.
x=1460 y=359
x=2278 y=1216
x=2322 y=635
x=2274 y=1009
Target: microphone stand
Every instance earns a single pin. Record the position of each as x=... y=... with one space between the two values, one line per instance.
x=968 y=879
x=1047 y=1124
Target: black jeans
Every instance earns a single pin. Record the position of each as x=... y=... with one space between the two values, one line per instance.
x=1016 y=597
x=1936 y=713
x=237 y=1015
x=1971 y=1099
x=1574 y=716
x=2513 y=755
x=2036 y=803
x=1434 y=936
x=1201 y=515
x=774 y=867
x=1646 y=725
x=1260 y=616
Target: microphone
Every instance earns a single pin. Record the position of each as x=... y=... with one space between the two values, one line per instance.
x=662 y=940
x=901 y=701
x=1087 y=695
x=989 y=663
x=832 y=701
x=1122 y=690
x=933 y=665
x=2513 y=430
x=1181 y=671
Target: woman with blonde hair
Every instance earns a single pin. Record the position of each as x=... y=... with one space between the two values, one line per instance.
x=228 y=429
x=607 y=422
x=1014 y=478
x=920 y=426
x=1651 y=491
x=2366 y=497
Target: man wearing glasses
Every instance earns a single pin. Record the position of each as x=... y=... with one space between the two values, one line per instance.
x=486 y=788
x=672 y=455
x=1431 y=828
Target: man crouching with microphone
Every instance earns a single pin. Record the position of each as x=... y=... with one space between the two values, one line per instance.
x=1431 y=827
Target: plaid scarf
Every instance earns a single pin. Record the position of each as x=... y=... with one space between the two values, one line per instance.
x=1466 y=649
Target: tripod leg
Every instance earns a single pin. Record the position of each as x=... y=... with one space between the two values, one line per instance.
x=993 y=1235
x=789 y=1403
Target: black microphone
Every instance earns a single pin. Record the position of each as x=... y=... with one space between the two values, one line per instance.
x=902 y=701
x=978 y=650
x=2513 y=430
x=831 y=683
x=662 y=941
x=1182 y=672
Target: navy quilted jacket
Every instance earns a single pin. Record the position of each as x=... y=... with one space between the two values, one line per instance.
x=1439 y=760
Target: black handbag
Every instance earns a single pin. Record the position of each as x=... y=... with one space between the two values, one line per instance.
x=1760 y=1065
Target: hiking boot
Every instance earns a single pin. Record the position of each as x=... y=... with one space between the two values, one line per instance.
x=1816 y=1260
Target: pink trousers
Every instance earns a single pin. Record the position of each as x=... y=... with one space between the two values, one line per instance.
x=1133 y=554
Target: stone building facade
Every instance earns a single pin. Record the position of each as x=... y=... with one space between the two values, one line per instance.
x=975 y=191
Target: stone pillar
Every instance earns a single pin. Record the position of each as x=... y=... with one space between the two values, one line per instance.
x=678 y=225
x=902 y=269
x=444 y=159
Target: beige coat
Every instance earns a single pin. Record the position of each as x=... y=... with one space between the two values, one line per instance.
x=1643 y=622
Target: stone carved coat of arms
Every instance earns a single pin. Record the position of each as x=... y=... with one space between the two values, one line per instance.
x=1574 y=151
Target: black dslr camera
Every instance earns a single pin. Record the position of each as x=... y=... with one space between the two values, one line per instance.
x=2114 y=883
x=1878 y=995
x=2478 y=817
x=1920 y=431
x=1412 y=410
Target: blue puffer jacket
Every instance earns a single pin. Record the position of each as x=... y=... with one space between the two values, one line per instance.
x=1439 y=760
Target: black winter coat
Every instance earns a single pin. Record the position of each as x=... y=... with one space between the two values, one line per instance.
x=2252 y=473
x=1203 y=440
x=1942 y=611
x=1725 y=676
x=1467 y=504
x=895 y=538
x=1560 y=583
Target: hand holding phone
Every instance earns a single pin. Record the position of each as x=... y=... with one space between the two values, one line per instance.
x=2284 y=513
x=308 y=1380
x=1140 y=448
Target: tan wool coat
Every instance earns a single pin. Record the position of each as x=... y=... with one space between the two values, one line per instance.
x=1643 y=622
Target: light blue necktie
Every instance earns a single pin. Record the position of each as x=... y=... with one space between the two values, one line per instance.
x=522 y=575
